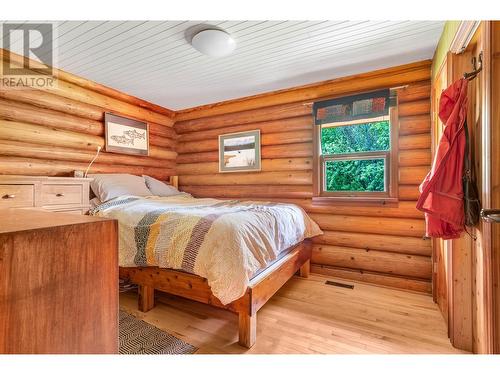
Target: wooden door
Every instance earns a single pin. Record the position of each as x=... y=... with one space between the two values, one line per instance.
x=474 y=274
x=467 y=270
x=486 y=245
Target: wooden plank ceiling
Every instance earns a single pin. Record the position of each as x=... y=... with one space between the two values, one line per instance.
x=153 y=60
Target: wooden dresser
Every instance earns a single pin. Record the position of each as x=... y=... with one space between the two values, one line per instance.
x=58 y=282
x=61 y=194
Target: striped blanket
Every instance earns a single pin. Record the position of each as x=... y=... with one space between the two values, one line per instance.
x=226 y=242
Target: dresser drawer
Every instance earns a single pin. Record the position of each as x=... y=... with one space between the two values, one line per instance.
x=60 y=194
x=80 y=211
x=17 y=196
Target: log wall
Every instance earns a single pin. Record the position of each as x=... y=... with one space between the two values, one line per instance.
x=377 y=244
x=56 y=131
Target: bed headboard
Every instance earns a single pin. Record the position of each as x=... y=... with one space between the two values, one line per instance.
x=174 y=181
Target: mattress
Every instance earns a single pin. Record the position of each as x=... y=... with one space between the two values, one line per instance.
x=226 y=242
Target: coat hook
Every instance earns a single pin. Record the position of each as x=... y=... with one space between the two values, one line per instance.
x=476 y=68
x=473 y=62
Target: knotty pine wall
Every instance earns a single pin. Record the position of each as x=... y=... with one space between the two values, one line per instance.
x=56 y=131
x=377 y=244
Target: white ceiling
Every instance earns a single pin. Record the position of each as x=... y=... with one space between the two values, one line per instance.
x=154 y=60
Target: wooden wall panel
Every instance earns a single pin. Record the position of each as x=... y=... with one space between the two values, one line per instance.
x=377 y=243
x=54 y=132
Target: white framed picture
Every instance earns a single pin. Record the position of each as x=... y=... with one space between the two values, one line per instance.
x=239 y=152
x=125 y=135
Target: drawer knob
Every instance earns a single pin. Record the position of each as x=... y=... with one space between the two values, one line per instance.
x=60 y=195
x=9 y=196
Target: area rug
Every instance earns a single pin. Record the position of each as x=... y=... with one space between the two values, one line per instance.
x=139 y=337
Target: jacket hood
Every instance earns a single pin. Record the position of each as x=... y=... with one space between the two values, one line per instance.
x=450 y=97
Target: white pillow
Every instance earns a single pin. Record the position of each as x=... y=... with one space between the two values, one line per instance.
x=109 y=186
x=94 y=202
x=159 y=188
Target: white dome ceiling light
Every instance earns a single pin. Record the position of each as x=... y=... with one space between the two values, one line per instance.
x=214 y=43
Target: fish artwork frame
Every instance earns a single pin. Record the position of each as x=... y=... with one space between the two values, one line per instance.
x=125 y=135
x=240 y=152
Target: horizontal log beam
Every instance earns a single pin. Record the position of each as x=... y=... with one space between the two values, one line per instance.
x=415 y=91
x=22 y=112
x=84 y=95
x=395 y=244
x=374 y=225
x=166 y=143
x=36 y=151
x=71 y=91
x=54 y=102
x=249 y=191
x=414 y=142
x=391 y=281
x=390 y=77
x=403 y=209
x=37 y=167
x=277 y=112
x=262 y=178
x=273 y=126
x=418 y=107
x=270 y=139
x=408 y=192
x=373 y=260
x=410 y=125
x=412 y=175
x=295 y=150
x=18 y=60
x=268 y=165
x=400 y=209
x=23 y=132
x=162 y=131
x=65 y=106
x=17 y=131
x=414 y=158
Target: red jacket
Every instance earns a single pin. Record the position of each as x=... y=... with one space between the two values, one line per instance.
x=441 y=192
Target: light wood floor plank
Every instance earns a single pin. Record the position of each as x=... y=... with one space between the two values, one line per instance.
x=308 y=316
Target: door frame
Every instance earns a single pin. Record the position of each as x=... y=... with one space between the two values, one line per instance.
x=492 y=142
x=486 y=77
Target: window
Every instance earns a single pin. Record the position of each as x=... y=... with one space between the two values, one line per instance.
x=356 y=147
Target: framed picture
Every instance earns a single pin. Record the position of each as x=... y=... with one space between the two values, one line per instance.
x=126 y=136
x=239 y=152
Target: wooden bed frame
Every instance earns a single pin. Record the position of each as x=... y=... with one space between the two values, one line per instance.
x=261 y=288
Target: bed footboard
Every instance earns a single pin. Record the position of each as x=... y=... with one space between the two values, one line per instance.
x=261 y=288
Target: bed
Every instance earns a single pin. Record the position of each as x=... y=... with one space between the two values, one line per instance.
x=226 y=253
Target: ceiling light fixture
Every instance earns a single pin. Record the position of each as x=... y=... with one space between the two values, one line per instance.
x=214 y=43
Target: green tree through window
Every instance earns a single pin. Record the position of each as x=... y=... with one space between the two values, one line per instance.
x=355 y=175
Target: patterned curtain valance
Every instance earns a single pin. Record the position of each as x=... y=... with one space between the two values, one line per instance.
x=355 y=107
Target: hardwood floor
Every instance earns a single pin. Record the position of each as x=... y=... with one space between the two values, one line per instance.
x=308 y=316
